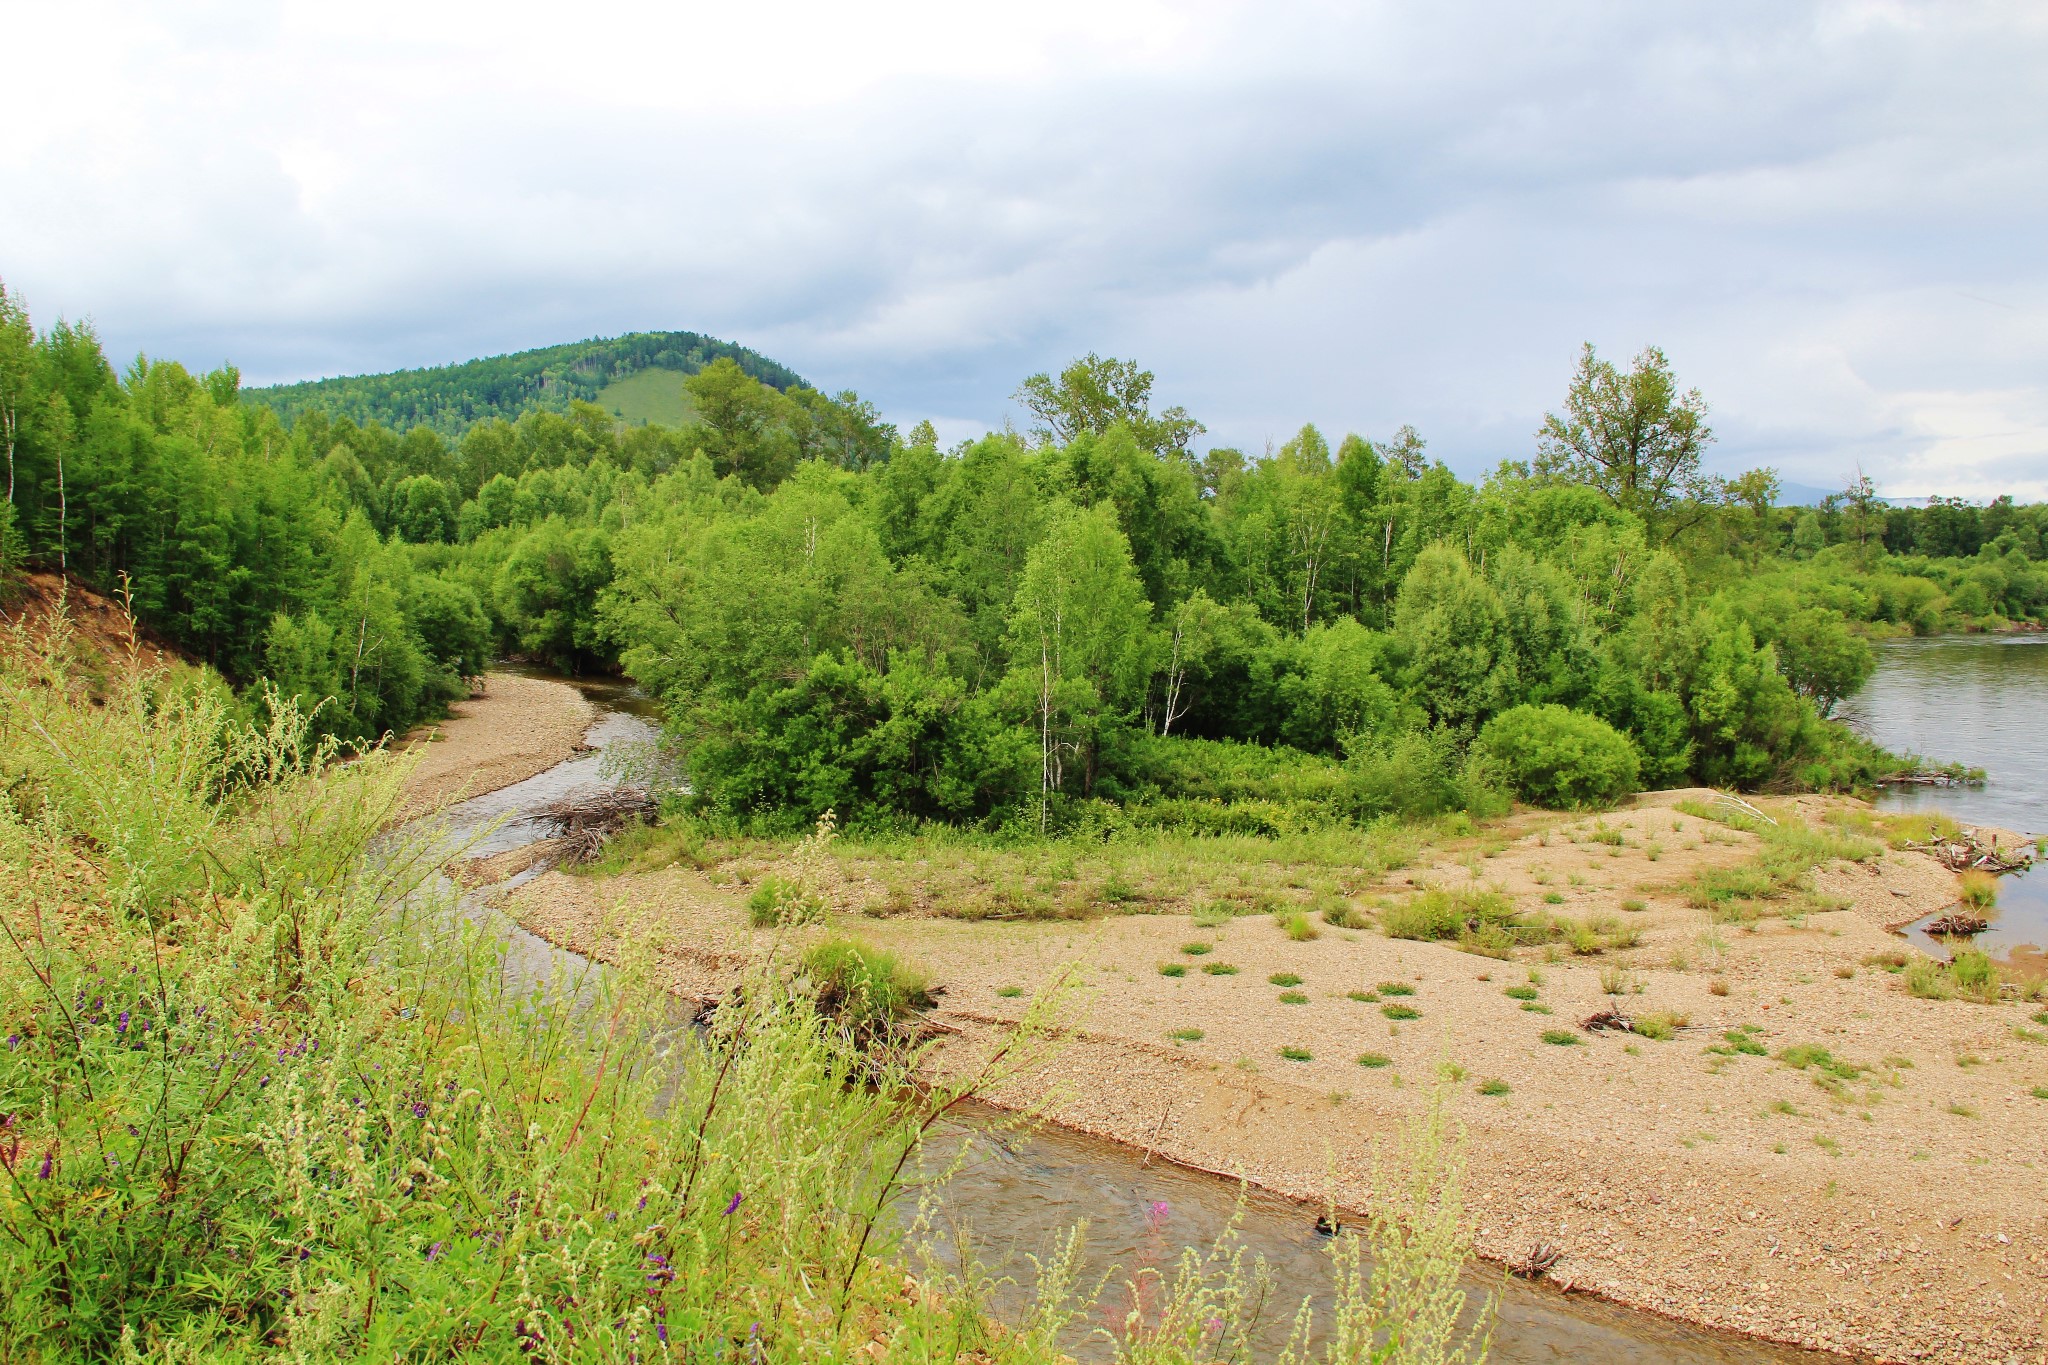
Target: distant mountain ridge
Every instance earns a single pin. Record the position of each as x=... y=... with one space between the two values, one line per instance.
x=453 y=398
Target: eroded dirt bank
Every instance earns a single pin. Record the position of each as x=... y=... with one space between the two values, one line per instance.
x=1892 y=1201
x=519 y=726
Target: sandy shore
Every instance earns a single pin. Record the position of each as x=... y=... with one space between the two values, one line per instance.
x=1899 y=1213
x=518 y=727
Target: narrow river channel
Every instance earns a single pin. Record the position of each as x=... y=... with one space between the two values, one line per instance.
x=1013 y=1197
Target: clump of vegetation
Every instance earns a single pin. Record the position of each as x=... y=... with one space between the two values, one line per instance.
x=1186 y=1035
x=1296 y=1054
x=1293 y=998
x=1218 y=969
x=1495 y=1086
x=1197 y=949
x=1297 y=925
x=1520 y=992
x=1173 y=969
x=1558 y=758
x=867 y=990
x=1480 y=921
x=1363 y=997
x=1660 y=1025
x=1970 y=974
x=1009 y=992
x=1776 y=881
x=1374 y=1060
x=1400 y=1012
x=1395 y=988
x=1979 y=888
x=1283 y=979
x=1558 y=1037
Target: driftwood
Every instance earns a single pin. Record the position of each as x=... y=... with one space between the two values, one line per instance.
x=1608 y=1019
x=1933 y=777
x=1959 y=924
x=1967 y=851
x=1537 y=1261
x=584 y=819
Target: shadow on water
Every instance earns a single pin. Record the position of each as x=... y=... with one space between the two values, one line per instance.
x=1976 y=700
x=1015 y=1194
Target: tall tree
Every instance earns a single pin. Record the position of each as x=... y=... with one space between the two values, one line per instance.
x=1094 y=394
x=1634 y=437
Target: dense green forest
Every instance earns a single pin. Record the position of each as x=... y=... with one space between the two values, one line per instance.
x=451 y=399
x=1088 y=622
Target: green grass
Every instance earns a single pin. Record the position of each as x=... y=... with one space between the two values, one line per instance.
x=1009 y=992
x=1283 y=979
x=1296 y=1054
x=1219 y=969
x=1186 y=1035
x=1400 y=1012
x=1197 y=949
x=1363 y=997
x=1395 y=988
x=1293 y=998
x=1173 y=969
x=1533 y=1007
x=649 y=397
x=1496 y=1086
x=1520 y=992
x=1376 y=1060
x=2039 y=1092
x=1558 y=1037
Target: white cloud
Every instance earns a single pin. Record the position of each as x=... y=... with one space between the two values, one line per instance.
x=1354 y=214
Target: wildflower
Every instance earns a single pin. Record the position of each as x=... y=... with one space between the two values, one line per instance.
x=434 y=1251
x=419 y=1111
x=43 y=1171
x=13 y=1041
x=121 y=1025
x=1213 y=1326
x=731 y=1207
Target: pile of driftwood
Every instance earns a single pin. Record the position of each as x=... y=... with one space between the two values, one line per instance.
x=1928 y=777
x=1958 y=924
x=582 y=820
x=1967 y=851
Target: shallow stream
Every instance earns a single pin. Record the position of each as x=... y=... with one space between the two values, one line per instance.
x=1016 y=1196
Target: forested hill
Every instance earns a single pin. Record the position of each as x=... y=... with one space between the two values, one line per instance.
x=626 y=375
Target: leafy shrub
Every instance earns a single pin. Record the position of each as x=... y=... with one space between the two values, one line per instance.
x=1558 y=758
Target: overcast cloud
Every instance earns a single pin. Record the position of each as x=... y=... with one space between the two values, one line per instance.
x=1831 y=216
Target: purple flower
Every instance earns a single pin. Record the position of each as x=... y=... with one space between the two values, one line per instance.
x=661 y=1331
x=419 y=1111
x=13 y=1041
x=434 y=1252
x=43 y=1171
x=121 y=1025
x=734 y=1205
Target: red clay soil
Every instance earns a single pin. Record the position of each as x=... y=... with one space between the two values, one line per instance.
x=100 y=632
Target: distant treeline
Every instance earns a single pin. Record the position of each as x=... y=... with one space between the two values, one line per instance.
x=450 y=399
x=1088 y=622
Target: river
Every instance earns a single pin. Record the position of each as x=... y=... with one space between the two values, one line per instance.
x=1980 y=701
x=1015 y=1196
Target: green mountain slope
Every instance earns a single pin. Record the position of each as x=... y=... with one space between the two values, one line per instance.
x=637 y=376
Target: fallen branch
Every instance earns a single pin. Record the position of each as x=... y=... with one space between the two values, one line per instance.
x=583 y=820
x=1958 y=924
x=1537 y=1262
x=1966 y=851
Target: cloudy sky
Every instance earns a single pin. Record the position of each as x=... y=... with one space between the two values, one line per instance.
x=1831 y=216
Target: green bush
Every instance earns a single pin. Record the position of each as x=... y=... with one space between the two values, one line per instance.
x=1558 y=758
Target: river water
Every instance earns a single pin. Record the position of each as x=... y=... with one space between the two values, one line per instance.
x=1015 y=1196
x=1981 y=701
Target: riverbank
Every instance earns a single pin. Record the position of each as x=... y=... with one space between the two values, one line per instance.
x=1811 y=1156
x=517 y=726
